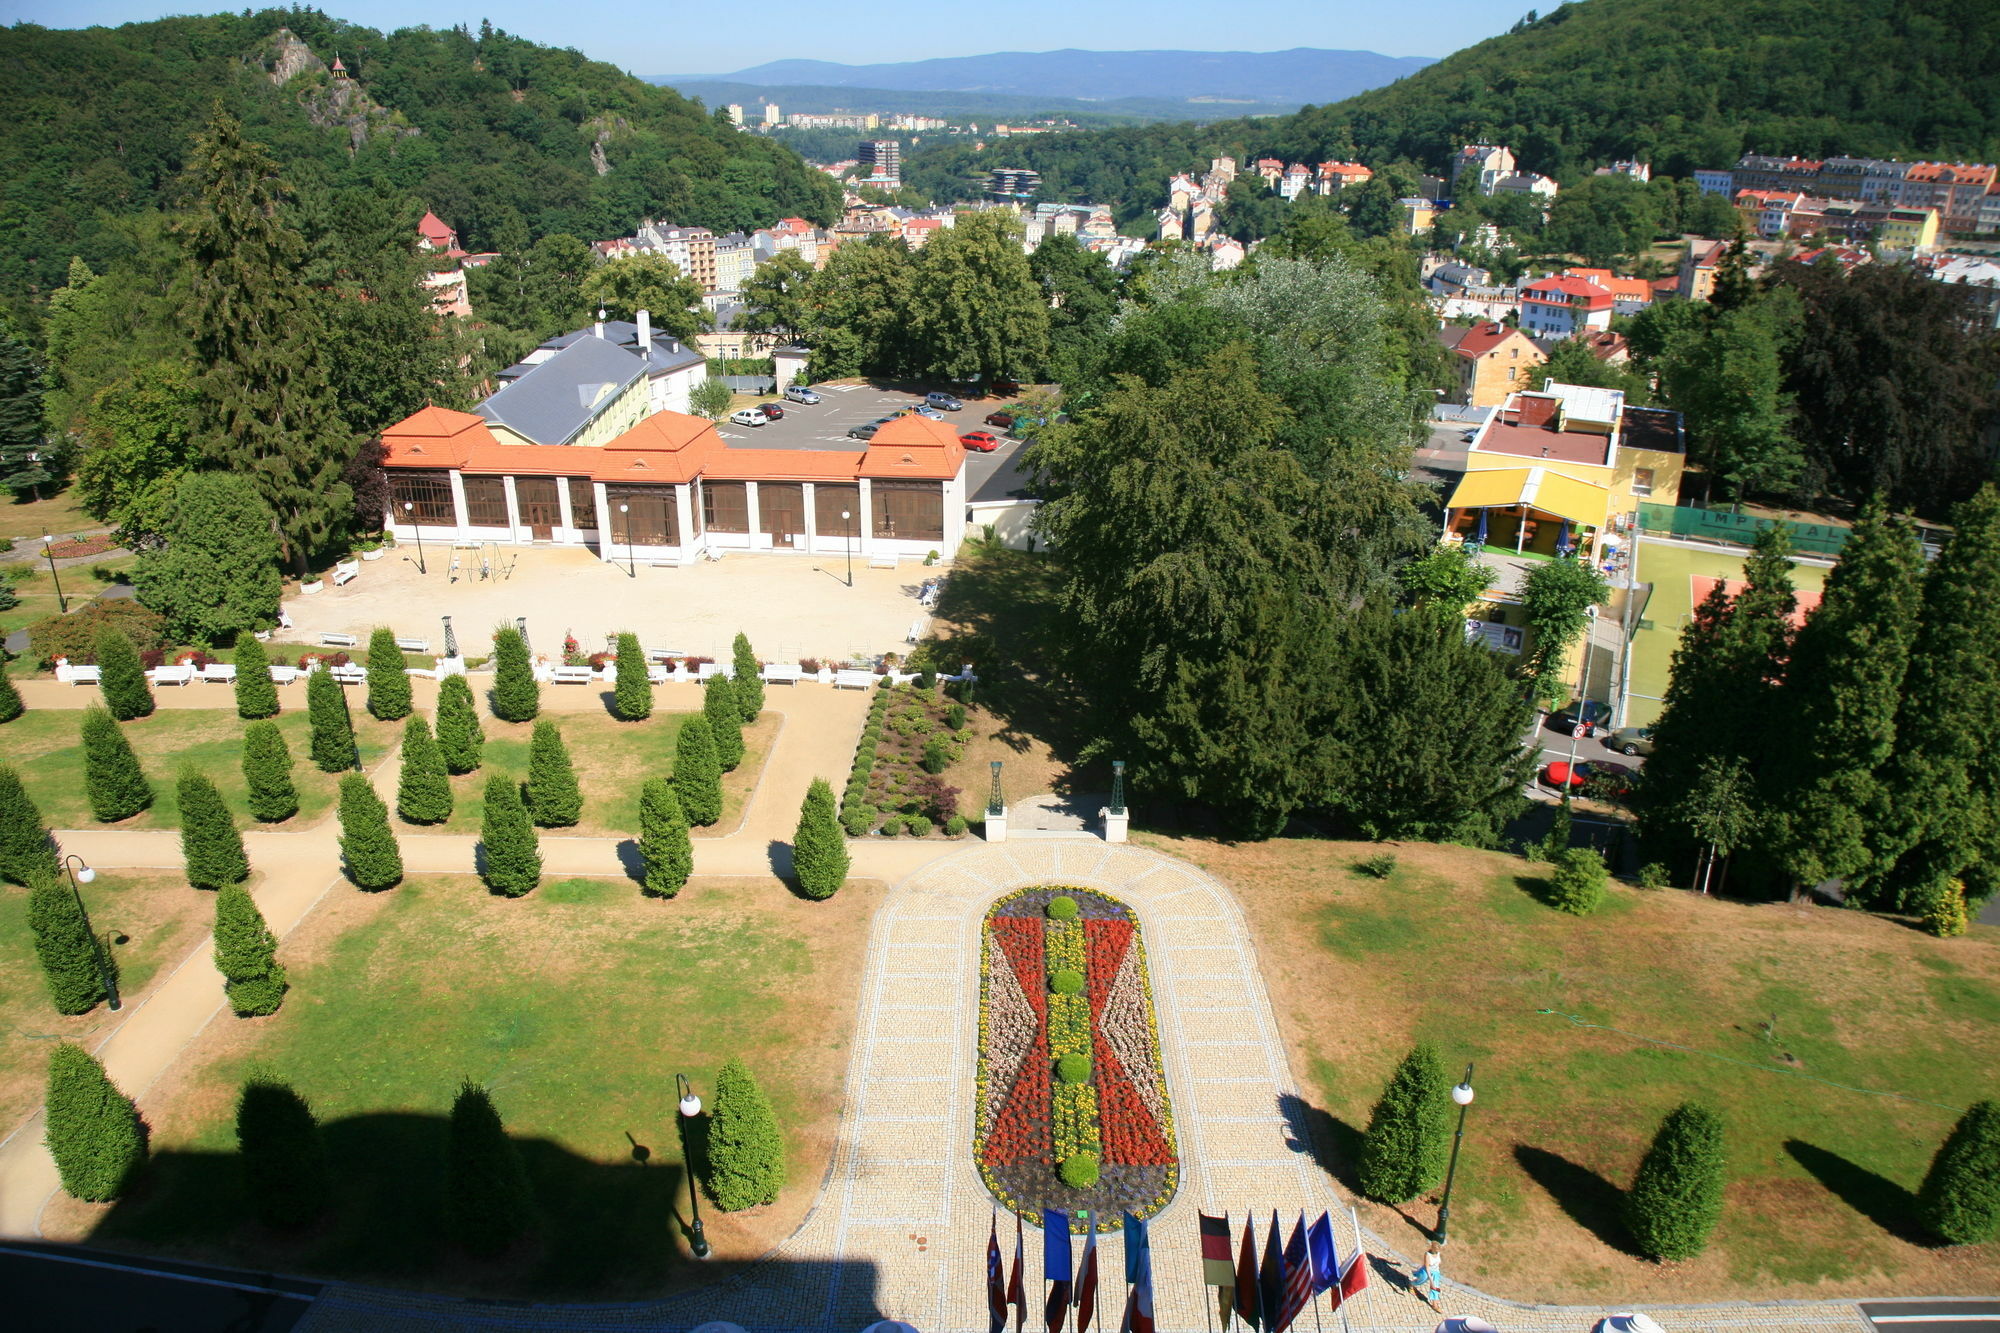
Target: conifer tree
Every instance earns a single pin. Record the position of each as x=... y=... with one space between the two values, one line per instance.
x=632 y=694
x=11 y=706
x=27 y=850
x=746 y=1153
x=246 y=953
x=749 y=683
x=553 y=797
x=72 y=963
x=267 y=773
x=367 y=843
x=388 y=677
x=1959 y=1200
x=423 y=793
x=286 y=1175
x=256 y=694
x=725 y=721
x=210 y=844
x=459 y=735
x=819 y=852
x=1677 y=1196
x=94 y=1132
x=517 y=696
x=664 y=848
x=121 y=676
x=332 y=734
x=697 y=777
x=1409 y=1132
x=215 y=573
x=488 y=1200
x=111 y=774
x=510 y=853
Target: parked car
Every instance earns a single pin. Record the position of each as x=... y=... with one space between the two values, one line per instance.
x=749 y=416
x=1630 y=740
x=1005 y=388
x=985 y=441
x=926 y=410
x=772 y=411
x=1596 y=777
x=1593 y=716
x=1001 y=419
x=943 y=402
x=799 y=393
x=866 y=432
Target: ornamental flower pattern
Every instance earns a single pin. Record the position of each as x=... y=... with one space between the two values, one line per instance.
x=1026 y=1122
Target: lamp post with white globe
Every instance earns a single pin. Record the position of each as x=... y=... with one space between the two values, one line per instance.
x=690 y=1107
x=1462 y=1094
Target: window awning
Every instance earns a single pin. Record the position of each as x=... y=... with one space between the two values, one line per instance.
x=1538 y=488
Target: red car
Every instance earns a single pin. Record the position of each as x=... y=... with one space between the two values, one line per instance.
x=1001 y=419
x=1597 y=777
x=985 y=441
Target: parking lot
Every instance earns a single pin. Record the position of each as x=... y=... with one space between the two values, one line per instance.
x=824 y=425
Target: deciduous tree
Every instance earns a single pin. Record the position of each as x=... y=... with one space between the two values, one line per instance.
x=978 y=311
x=649 y=282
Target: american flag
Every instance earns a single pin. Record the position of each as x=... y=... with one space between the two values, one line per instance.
x=1298 y=1277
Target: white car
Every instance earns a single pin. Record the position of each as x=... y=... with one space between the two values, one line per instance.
x=749 y=416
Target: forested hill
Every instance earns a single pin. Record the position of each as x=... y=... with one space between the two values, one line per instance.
x=481 y=128
x=1679 y=83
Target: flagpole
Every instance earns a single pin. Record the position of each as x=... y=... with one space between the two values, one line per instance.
x=1096 y=1315
x=1360 y=1254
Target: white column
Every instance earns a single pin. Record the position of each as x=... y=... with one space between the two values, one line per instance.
x=563 y=508
x=865 y=519
x=811 y=517
x=513 y=510
x=685 y=510
x=603 y=522
x=755 y=524
x=458 y=505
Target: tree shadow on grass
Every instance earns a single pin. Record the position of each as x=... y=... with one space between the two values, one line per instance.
x=1876 y=1197
x=1590 y=1201
x=1536 y=887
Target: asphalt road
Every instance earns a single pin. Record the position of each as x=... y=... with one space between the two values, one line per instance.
x=53 y=1289
x=1966 y=1316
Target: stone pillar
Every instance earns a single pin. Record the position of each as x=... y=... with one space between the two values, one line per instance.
x=1116 y=817
x=996 y=810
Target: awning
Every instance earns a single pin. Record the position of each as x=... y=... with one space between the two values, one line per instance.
x=1538 y=488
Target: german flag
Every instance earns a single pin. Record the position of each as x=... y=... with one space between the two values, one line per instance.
x=1218 y=1266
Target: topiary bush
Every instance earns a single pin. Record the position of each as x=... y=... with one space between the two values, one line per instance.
x=510 y=853
x=11 y=706
x=664 y=848
x=1066 y=981
x=489 y=1202
x=1079 y=1171
x=1403 y=1153
x=938 y=754
x=423 y=792
x=1073 y=1068
x=954 y=717
x=1959 y=1201
x=267 y=774
x=517 y=695
x=1578 y=883
x=697 y=776
x=746 y=1154
x=1676 y=1198
x=857 y=817
x=388 y=677
x=286 y=1175
x=955 y=827
x=210 y=844
x=111 y=775
x=94 y=1131
x=917 y=826
x=748 y=684
x=326 y=711
x=72 y=960
x=367 y=843
x=719 y=704
x=632 y=691
x=1061 y=908
x=892 y=826
x=122 y=676
x=1379 y=866
x=246 y=955
x=256 y=694
x=552 y=794
x=819 y=853
x=27 y=849
x=460 y=738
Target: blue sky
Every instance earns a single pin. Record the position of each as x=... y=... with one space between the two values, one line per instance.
x=680 y=37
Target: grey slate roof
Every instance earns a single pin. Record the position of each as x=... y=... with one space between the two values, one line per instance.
x=668 y=351
x=552 y=402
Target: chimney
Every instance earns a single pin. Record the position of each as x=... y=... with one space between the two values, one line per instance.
x=600 y=321
x=645 y=335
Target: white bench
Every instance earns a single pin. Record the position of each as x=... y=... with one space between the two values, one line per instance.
x=715 y=669
x=350 y=674
x=346 y=570
x=858 y=680
x=657 y=674
x=663 y=654
x=881 y=562
x=284 y=675
x=340 y=640
x=77 y=675
x=414 y=645
x=221 y=673
x=786 y=673
x=572 y=675
x=171 y=675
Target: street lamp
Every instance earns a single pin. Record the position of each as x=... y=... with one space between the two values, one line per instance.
x=450 y=639
x=631 y=557
x=48 y=549
x=1462 y=1094
x=690 y=1107
x=847 y=522
x=82 y=872
x=410 y=510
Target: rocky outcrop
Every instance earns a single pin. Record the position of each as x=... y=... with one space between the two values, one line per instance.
x=329 y=103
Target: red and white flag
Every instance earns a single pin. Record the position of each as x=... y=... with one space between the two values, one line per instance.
x=996 y=1281
x=1086 y=1282
x=1017 y=1284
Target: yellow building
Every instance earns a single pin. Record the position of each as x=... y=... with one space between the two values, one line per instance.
x=1908 y=229
x=1493 y=360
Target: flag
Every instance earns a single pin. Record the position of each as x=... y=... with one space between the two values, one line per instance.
x=1246 y=1277
x=1216 y=1268
x=1319 y=1240
x=1139 y=1273
x=1086 y=1281
x=1055 y=1266
x=1271 y=1278
x=996 y=1281
x=1298 y=1274
x=1354 y=1275
x=1017 y=1285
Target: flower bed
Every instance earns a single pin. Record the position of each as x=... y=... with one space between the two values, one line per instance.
x=74 y=548
x=1028 y=1120
x=908 y=740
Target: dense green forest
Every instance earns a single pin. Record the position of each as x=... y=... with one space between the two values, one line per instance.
x=1684 y=84
x=483 y=128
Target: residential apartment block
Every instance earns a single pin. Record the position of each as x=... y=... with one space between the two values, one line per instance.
x=1965 y=195
x=1564 y=307
x=1493 y=361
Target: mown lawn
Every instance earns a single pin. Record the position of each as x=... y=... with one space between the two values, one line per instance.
x=576 y=1006
x=36 y=587
x=1837 y=1046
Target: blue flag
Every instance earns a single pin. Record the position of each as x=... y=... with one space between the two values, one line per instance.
x=1138 y=1251
x=1326 y=1266
x=1055 y=1246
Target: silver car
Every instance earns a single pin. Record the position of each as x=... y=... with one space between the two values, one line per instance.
x=1630 y=740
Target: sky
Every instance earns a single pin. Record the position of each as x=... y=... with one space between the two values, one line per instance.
x=681 y=37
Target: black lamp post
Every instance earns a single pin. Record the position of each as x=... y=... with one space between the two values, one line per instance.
x=631 y=556
x=994 y=805
x=1118 y=786
x=690 y=1107
x=80 y=871
x=1462 y=1094
x=48 y=549
x=410 y=509
x=847 y=521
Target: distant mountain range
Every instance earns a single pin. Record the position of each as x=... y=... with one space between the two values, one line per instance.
x=962 y=106
x=1294 y=77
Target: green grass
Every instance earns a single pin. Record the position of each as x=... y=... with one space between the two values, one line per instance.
x=576 y=1006
x=43 y=745
x=57 y=516
x=36 y=588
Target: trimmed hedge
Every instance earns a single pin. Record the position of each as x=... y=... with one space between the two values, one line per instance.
x=1062 y=908
x=267 y=773
x=1676 y=1199
x=210 y=844
x=94 y=1132
x=111 y=775
x=1080 y=1171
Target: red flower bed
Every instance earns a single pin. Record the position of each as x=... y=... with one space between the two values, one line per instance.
x=76 y=547
x=1132 y=1136
x=1021 y=1129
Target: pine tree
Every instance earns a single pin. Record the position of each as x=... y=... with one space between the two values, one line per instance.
x=246 y=953
x=71 y=958
x=210 y=844
x=510 y=853
x=122 y=677
x=553 y=797
x=632 y=695
x=1409 y=1133
x=267 y=773
x=27 y=850
x=1959 y=1200
x=1677 y=1196
x=489 y=1202
x=664 y=848
x=332 y=734
x=819 y=852
x=388 y=677
x=459 y=735
x=1838 y=707
x=286 y=1175
x=95 y=1132
x=725 y=721
x=111 y=774
x=256 y=695
x=517 y=696
x=749 y=683
x=11 y=706
x=746 y=1153
x=423 y=793
x=697 y=777
x=367 y=843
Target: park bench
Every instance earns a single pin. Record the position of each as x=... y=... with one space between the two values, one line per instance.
x=708 y=669
x=787 y=673
x=219 y=673
x=77 y=675
x=857 y=680
x=345 y=570
x=572 y=675
x=663 y=654
x=414 y=645
x=350 y=674
x=881 y=562
x=657 y=674
x=340 y=640
x=171 y=675
x=284 y=675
